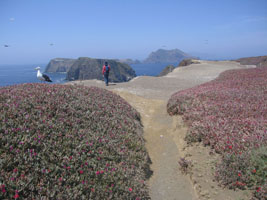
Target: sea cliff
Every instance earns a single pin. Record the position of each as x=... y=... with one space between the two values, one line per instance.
x=59 y=65
x=85 y=68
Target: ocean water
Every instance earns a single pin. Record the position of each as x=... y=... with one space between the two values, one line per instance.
x=18 y=74
x=150 y=69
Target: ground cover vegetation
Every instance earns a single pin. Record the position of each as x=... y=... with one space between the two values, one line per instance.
x=70 y=142
x=230 y=115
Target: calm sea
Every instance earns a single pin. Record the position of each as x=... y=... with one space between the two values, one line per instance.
x=150 y=69
x=17 y=74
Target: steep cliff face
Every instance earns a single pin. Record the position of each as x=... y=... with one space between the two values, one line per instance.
x=59 y=65
x=167 y=56
x=87 y=68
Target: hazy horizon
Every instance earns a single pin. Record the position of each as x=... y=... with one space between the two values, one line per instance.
x=38 y=31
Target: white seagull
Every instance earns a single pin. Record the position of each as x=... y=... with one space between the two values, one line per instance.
x=42 y=77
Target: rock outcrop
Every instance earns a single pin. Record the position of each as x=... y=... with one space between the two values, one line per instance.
x=167 y=56
x=88 y=68
x=186 y=62
x=167 y=70
x=259 y=61
x=59 y=65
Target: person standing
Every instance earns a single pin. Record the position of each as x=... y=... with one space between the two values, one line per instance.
x=105 y=72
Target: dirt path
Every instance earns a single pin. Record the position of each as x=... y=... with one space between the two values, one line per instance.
x=164 y=135
x=167 y=181
x=165 y=144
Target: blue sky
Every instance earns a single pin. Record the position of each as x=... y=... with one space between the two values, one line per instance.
x=217 y=29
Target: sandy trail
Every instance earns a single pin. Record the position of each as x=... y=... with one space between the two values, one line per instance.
x=164 y=135
x=166 y=181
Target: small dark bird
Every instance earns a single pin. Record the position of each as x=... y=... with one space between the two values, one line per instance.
x=6 y=45
x=42 y=77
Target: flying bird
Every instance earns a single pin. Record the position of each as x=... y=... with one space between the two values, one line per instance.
x=42 y=77
x=6 y=45
x=51 y=44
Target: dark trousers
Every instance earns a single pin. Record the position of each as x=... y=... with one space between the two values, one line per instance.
x=106 y=78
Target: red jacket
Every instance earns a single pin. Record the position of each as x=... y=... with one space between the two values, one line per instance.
x=104 y=69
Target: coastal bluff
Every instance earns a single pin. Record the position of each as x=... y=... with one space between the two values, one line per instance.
x=85 y=68
x=59 y=65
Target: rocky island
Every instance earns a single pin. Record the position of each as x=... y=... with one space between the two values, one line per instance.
x=167 y=56
x=85 y=68
x=59 y=65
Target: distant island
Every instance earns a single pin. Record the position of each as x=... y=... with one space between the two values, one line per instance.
x=167 y=56
x=90 y=68
x=159 y=56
